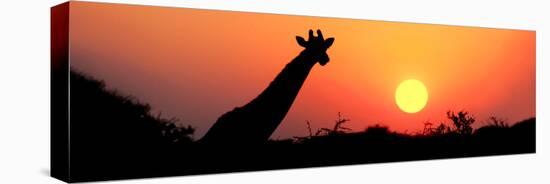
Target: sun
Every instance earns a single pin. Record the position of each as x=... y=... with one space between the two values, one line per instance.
x=411 y=96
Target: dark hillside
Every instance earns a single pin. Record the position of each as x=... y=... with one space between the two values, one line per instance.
x=114 y=136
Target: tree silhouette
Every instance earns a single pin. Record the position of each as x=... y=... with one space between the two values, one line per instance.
x=462 y=122
x=337 y=129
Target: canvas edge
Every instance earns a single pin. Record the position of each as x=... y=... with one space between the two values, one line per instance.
x=59 y=63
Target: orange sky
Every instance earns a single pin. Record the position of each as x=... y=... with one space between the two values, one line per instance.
x=197 y=64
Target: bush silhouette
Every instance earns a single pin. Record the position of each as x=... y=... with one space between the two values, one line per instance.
x=337 y=129
x=110 y=131
x=378 y=130
x=462 y=122
x=439 y=130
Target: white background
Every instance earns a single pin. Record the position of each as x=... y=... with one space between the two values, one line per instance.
x=24 y=94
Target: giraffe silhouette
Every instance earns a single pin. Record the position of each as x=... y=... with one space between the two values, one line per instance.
x=254 y=122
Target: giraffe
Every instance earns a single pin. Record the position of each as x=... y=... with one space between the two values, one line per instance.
x=254 y=122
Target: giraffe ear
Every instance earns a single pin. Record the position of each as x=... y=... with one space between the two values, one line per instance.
x=328 y=42
x=301 y=41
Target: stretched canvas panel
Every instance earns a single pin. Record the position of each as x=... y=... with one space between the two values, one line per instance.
x=145 y=91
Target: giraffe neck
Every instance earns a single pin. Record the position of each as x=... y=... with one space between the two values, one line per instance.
x=286 y=85
x=273 y=103
x=257 y=120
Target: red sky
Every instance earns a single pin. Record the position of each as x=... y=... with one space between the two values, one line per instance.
x=197 y=64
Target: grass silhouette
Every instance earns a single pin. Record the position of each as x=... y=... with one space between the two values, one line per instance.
x=113 y=136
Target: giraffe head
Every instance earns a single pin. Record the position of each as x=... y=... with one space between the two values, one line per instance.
x=316 y=47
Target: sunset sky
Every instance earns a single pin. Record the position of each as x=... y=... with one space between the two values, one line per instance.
x=198 y=64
